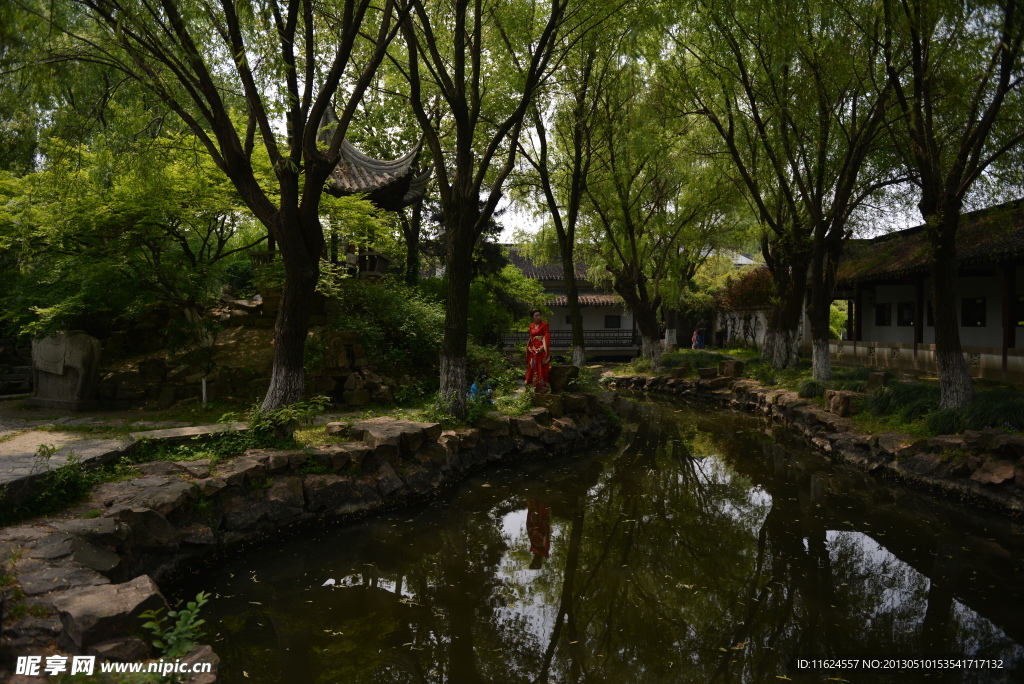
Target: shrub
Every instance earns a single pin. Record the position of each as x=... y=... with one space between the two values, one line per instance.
x=897 y=396
x=763 y=373
x=809 y=389
x=639 y=365
x=400 y=328
x=945 y=422
x=1001 y=408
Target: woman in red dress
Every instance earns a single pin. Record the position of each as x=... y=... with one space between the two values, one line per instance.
x=538 y=353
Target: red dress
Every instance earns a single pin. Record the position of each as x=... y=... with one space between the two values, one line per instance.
x=538 y=356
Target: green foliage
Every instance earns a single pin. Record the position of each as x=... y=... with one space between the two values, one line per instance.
x=908 y=400
x=400 y=327
x=105 y=232
x=56 y=490
x=809 y=388
x=945 y=422
x=315 y=467
x=692 y=359
x=999 y=408
x=265 y=426
x=177 y=638
x=763 y=372
x=639 y=365
x=498 y=302
x=837 y=314
x=515 y=404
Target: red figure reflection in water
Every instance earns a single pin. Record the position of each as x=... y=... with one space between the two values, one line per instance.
x=538 y=527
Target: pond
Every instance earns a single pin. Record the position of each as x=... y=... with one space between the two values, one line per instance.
x=703 y=546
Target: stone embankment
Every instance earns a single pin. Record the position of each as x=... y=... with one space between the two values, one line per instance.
x=984 y=467
x=83 y=582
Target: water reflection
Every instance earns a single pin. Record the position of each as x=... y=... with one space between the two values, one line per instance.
x=702 y=547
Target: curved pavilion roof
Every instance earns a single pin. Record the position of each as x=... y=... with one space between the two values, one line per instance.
x=389 y=184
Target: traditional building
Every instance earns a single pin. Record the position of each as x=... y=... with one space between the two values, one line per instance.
x=887 y=282
x=608 y=328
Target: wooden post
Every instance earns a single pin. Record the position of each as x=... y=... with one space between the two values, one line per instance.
x=858 y=316
x=918 y=315
x=1009 y=314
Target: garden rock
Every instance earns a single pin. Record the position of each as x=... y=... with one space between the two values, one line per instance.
x=52 y=577
x=731 y=368
x=338 y=494
x=561 y=375
x=552 y=402
x=284 y=498
x=96 y=614
x=994 y=472
x=527 y=426
x=122 y=650
x=149 y=528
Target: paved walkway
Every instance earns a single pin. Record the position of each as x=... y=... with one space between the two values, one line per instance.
x=30 y=447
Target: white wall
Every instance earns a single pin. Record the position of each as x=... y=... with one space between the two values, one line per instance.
x=593 y=317
x=991 y=335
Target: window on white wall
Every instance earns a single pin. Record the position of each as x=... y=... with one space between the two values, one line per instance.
x=613 y=321
x=568 y=319
x=972 y=312
x=905 y=313
x=883 y=314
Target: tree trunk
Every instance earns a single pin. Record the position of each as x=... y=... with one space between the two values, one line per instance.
x=460 y=221
x=671 y=334
x=573 y=299
x=646 y=317
x=819 y=306
x=287 y=378
x=781 y=339
x=956 y=388
x=411 y=231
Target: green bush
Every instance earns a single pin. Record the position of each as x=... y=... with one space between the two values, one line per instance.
x=763 y=373
x=895 y=397
x=692 y=358
x=1000 y=408
x=849 y=385
x=809 y=389
x=945 y=422
x=400 y=327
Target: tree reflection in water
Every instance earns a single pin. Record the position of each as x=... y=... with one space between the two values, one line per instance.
x=701 y=548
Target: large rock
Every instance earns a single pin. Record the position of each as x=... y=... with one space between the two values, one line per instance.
x=561 y=376
x=284 y=498
x=398 y=436
x=96 y=614
x=575 y=403
x=65 y=371
x=149 y=528
x=994 y=472
x=338 y=494
x=840 y=402
x=48 y=578
x=552 y=402
x=731 y=368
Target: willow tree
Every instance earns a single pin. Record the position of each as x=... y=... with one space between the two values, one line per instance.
x=559 y=148
x=797 y=93
x=243 y=76
x=655 y=207
x=473 y=72
x=956 y=71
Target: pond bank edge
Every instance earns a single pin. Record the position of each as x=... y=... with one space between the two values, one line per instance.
x=153 y=529
x=983 y=468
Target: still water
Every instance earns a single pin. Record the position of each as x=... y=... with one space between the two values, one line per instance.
x=703 y=546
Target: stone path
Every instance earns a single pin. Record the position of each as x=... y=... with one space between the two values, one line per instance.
x=31 y=447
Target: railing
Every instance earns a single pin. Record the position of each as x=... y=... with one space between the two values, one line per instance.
x=596 y=339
